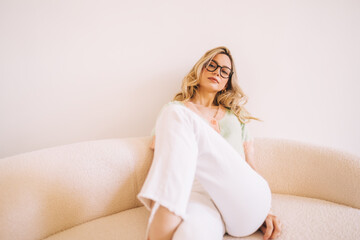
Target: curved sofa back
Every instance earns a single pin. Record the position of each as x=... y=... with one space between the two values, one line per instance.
x=50 y=190
x=46 y=191
x=302 y=169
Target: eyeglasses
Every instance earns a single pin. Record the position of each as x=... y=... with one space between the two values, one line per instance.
x=225 y=72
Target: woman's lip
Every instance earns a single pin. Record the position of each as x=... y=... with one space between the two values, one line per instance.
x=213 y=79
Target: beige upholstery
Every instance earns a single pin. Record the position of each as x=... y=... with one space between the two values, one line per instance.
x=88 y=190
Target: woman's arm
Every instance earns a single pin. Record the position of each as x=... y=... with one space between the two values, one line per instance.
x=249 y=153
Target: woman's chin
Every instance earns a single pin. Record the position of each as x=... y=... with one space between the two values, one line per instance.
x=211 y=89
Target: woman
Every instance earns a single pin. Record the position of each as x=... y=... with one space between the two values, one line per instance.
x=202 y=182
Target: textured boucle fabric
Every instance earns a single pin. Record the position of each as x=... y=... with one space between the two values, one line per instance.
x=92 y=187
x=308 y=170
x=302 y=218
x=308 y=218
x=129 y=224
x=49 y=190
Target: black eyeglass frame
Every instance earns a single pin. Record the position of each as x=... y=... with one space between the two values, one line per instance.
x=218 y=66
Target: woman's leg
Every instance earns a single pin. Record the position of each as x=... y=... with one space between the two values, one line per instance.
x=203 y=220
x=163 y=225
x=186 y=146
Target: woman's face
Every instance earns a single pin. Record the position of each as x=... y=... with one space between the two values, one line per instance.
x=215 y=81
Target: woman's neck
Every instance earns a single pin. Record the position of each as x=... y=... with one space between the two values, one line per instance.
x=205 y=99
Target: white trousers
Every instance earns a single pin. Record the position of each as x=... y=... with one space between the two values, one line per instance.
x=188 y=149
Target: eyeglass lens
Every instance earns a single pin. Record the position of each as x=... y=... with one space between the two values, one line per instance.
x=224 y=71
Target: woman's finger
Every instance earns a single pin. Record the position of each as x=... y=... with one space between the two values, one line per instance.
x=263 y=229
x=269 y=228
x=277 y=228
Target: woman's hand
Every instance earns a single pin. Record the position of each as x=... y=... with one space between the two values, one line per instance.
x=271 y=227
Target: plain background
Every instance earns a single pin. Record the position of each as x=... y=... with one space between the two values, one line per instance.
x=79 y=70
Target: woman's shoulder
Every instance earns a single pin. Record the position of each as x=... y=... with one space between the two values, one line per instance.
x=230 y=115
x=171 y=103
x=176 y=102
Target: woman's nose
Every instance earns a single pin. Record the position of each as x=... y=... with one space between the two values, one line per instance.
x=217 y=72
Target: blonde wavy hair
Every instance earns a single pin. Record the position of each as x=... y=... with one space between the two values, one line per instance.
x=233 y=98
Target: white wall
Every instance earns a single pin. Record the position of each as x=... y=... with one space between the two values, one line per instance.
x=79 y=70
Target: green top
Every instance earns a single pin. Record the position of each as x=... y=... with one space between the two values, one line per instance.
x=234 y=131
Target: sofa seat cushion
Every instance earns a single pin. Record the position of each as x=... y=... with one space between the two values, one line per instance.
x=309 y=218
x=129 y=224
x=302 y=218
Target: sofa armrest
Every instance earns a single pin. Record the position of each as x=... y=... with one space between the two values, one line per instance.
x=50 y=190
x=308 y=170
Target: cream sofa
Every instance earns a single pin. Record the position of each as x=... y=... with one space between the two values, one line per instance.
x=88 y=190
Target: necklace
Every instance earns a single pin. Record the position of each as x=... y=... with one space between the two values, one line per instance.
x=217 y=110
x=213 y=121
x=199 y=106
x=205 y=114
